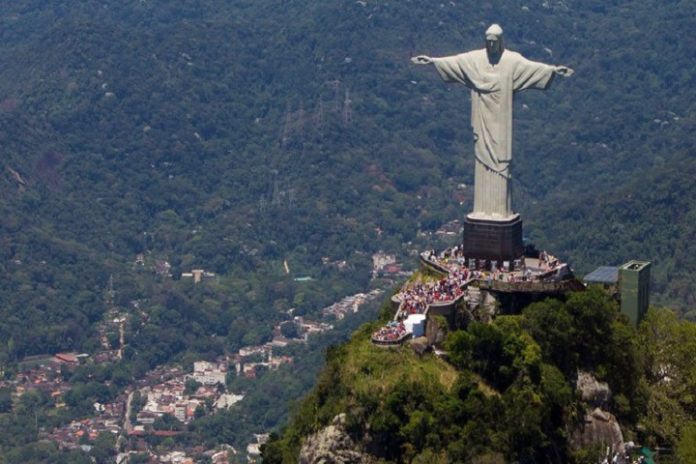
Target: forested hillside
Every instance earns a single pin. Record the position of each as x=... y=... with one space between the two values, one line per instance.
x=235 y=136
x=507 y=392
x=131 y=119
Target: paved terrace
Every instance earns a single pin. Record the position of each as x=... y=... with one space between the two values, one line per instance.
x=545 y=274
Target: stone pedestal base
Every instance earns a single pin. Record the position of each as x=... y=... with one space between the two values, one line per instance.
x=493 y=240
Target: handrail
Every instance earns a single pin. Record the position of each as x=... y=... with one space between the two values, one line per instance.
x=398 y=341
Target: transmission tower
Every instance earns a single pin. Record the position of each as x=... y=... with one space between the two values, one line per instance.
x=299 y=123
x=319 y=115
x=275 y=196
x=347 y=109
x=285 y=136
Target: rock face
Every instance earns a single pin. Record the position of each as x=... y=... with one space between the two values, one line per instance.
x=333 y=445
x=489 y=307
x=599 y=426
x=419 y=345
x=594 y=392
x=435 y=334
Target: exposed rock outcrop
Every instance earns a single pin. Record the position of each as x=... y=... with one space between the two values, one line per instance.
x=599 y=427
x=333 y=445
x=419 y=345
x=436 y=330
x=595 y=393
x=488 y=308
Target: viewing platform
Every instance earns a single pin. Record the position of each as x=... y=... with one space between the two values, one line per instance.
x=463 y=279
x=392 y=334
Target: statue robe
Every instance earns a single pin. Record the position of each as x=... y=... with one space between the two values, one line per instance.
x=492 y=89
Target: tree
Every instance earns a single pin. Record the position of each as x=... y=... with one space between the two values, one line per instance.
x=103 y=447
x=190 y=386
x=593 y=312
x=553 y=328
x=670 y=348
x=167 y=422
x=686 y=446
x=5 y=400
x=289 y=329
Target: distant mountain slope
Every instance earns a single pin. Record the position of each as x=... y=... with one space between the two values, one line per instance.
x=649 y=217
x=306 y=121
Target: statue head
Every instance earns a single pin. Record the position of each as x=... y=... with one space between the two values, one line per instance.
x=494 y=40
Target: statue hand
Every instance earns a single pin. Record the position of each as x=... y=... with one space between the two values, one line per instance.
x=564 y=71
x=422 y=59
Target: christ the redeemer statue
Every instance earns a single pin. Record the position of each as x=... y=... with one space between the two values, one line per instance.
x=494 y=75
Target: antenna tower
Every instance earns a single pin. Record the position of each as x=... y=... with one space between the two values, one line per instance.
x=347 y=109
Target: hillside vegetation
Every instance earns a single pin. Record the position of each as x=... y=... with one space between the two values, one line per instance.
x=219 y=136
x=509 y=393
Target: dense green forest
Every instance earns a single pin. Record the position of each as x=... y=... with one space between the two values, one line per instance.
x=235 y=136
x=169 y=128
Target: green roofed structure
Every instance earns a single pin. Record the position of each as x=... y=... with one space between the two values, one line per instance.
x=634 y=282
x=630 y=283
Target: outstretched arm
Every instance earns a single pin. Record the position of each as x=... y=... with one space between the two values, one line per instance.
x=535 y=75
x=451 y=69
x=422 y=59
x=564 y=71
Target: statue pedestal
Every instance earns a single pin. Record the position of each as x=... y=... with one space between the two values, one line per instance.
x=493 y=240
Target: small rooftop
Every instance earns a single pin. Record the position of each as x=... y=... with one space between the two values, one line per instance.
x=603 y=275
x=635 y=265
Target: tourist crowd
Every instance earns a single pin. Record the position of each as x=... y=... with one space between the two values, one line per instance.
x=392 y=332
x=416 y=297
x=453 y=259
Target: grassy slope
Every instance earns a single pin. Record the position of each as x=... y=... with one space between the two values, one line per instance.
x=357 y=371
